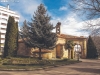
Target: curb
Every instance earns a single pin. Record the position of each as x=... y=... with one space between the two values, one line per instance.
x=54 y=66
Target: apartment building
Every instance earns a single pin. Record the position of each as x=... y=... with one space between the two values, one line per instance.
x=5 y=12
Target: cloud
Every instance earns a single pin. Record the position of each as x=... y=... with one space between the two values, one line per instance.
x=70 y=25
x=22 y=18
x=63 y=8
x=29 y=6
x=24 y=8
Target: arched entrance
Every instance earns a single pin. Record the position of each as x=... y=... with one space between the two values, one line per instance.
x=77 y=50
x=80 y=45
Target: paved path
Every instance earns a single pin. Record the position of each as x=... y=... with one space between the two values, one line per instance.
x=87 y=67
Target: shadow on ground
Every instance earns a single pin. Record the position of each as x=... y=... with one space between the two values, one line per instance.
x=92 y=63
x=89 y=70
x=5 y=74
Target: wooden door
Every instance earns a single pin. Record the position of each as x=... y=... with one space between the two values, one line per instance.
x=59 y=49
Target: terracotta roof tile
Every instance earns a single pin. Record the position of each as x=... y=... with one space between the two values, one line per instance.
x=69 y=36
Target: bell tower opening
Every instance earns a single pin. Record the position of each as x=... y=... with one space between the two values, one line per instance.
x=58 y=27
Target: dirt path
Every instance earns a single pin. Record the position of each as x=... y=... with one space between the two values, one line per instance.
x=87 y=67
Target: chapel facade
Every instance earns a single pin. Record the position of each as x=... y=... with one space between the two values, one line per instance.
x=59 y=51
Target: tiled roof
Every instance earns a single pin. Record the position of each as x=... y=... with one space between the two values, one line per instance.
x=61 y=36
x=69 y=36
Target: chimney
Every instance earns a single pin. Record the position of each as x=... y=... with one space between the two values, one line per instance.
x=7 y=6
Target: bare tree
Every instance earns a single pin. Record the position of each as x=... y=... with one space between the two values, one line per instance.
x=88 y=10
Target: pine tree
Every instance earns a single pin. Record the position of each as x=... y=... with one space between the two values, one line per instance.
x=91 y=49
x=38 y=33
x=10 y=38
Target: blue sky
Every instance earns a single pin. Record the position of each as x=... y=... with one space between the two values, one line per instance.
x=58 y=10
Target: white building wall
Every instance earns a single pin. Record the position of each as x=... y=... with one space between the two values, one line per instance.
x=2 y=36
x=2 y=41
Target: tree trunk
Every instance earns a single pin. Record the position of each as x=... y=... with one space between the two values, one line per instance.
x=72 y=54
x=40 y=58
x=69 y=55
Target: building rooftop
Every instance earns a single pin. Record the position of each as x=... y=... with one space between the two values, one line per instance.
x=7 y=9
x=69 y=36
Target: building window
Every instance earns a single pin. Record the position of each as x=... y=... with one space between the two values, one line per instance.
x=3 y=24
x=3 y=28
x=2 y=33
x=17 y=18
x=2 y=38
x=4 y=14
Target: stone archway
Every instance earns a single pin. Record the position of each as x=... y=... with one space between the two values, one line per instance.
x=77 y=50
x=82 y=42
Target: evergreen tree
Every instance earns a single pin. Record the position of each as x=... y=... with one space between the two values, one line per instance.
x=38 y=33
x=16 y=37
x=91 y=49
x=10 y=38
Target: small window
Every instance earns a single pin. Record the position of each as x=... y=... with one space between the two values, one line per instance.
x=2 y=33
x=3 y=24
x=17 y=18
x=3 y=28
x=4 y=14
x=2 y=38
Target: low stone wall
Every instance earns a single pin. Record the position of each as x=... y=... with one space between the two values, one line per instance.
x=47 y=55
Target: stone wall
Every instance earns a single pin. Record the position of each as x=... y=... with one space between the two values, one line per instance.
x=23 y=50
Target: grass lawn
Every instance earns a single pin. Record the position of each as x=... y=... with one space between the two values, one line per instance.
x=32 y=63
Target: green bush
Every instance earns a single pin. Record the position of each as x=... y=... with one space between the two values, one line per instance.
x=35 y=62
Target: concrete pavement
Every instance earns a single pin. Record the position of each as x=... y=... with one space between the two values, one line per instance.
x=86 y=67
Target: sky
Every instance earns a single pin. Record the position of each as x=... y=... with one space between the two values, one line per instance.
x=58 y=10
